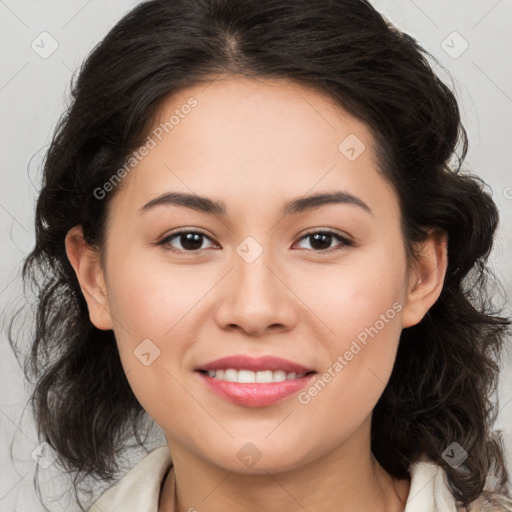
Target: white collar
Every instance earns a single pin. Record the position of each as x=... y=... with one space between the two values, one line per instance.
x=139 y=490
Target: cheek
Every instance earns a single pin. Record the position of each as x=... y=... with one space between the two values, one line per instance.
x=361 y=304
x=149 y=299
x=352 y=295
x=365 y=318
x=152 y=335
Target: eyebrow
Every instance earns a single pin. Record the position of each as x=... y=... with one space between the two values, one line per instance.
x=206 y=205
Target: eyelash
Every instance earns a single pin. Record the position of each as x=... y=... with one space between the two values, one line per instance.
x=345 y=242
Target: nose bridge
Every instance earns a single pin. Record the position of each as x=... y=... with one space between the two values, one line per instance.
x=254 y=297
x=252 y=271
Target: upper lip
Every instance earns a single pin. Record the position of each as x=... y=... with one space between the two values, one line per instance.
x=255 y=364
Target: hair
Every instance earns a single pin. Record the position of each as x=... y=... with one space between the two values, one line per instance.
x=447 y=365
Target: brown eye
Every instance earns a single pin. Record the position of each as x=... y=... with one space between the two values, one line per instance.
x=190 y=241
x=320 y=241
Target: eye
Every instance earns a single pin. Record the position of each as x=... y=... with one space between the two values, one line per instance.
x=190 y=241
x=321 y=240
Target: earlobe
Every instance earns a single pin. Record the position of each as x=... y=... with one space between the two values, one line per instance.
x=426 y=281
x=87 y=265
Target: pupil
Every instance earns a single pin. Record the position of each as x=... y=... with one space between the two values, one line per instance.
x=322 y=237
x=191 y=241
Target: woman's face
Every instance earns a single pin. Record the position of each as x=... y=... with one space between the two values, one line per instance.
x=253 y=282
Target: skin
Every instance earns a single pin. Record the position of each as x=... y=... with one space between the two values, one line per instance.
x=255 y=145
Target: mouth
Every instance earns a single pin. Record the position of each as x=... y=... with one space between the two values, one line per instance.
x=255 y=394
x=251 y=377
x=249 y=365
x=254 y=382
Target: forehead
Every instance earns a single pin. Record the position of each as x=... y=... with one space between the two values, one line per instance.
x=235 y=112
x=244 y=140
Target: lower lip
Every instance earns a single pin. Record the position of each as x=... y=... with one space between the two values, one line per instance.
x=255 y=394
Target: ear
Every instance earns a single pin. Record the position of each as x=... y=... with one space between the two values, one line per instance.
x=87 y=265
x=427 y=278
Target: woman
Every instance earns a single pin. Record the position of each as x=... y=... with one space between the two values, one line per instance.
x=252 y=233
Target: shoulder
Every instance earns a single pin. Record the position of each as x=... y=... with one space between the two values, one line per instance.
x=139 y=489
x=430 y=487
x=491 y=502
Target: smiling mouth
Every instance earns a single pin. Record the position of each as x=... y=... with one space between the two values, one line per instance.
x=251 y=377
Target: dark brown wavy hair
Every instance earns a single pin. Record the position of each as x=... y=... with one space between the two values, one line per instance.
x=447 y=367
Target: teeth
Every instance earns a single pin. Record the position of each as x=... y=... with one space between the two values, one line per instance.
x=248 y=376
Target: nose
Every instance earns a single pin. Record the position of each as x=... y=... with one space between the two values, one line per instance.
x=256 y=297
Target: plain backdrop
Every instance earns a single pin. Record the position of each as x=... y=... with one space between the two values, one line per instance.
x=43 y=43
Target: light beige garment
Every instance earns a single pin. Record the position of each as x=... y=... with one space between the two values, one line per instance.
x=139 y=490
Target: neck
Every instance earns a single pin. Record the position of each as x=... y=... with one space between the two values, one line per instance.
x=343 y=480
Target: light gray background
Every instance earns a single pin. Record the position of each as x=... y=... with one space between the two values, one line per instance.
x=34 y=92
